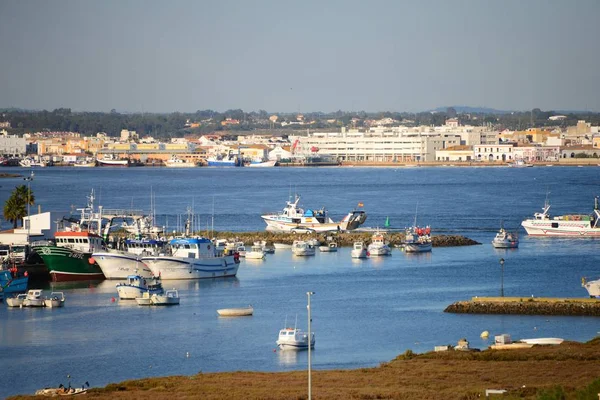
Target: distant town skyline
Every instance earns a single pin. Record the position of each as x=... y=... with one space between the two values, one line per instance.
x=286 y=57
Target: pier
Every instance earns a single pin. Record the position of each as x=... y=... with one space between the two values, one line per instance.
x=527 y=306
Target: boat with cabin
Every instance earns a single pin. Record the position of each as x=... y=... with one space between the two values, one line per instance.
x=16 y=301
x=119 y=264
x=359 y=250
x=302 y=248
x=260 y=163
x=193 y=258
x=418 y=240
x=168 y=298
x=573 y=225
x=378 y=246
x=256 y=252
x=135 y=285
x=69 y=256
x=230 y=159
x=505 y=240
x=297 y=220
x=34 y=298
x=11 y=285
x=55 y=300
x=295 y=339
x=176 y=162
x=331 y=247
x=110 y=160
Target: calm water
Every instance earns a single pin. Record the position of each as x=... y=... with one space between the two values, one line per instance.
x=364 y=311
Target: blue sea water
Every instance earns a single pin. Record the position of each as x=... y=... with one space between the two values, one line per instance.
x=364 y=311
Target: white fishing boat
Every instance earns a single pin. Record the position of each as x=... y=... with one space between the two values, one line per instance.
x=592 y=287
x=176 y=162
x=261 y=164
x=302 y=248
x=505 y=240
x=136 y=285
x=294 y=338
x=573 y=225
x=117 y=264
x=236 y=312
x=282 y=246
x=168 y=298
x=359 y=250
x=34 y=298
x=297 y=220
x=330 y=248
x=378 y=246
x=55 y=300
x=193 y=258
x=110 y=160
x=85 y=164
x=418 y=240
x=241 y=250
x=16 y=301
x=256 y=252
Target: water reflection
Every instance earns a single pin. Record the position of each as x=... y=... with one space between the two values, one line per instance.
x=288 y=356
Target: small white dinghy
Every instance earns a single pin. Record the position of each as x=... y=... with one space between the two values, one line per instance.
x=55 y=300
x=543 y=341
x=236 y=312
x=330 y=248
x=16 y=301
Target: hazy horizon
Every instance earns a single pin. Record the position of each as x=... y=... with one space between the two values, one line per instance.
x=287 y=57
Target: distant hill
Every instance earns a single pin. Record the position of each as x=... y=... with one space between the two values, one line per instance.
x=472 y=110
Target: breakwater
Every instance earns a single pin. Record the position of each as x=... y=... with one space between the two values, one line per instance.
x=342 y=239
x=527 y=306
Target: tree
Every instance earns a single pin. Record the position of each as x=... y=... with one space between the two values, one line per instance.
x=15 y=208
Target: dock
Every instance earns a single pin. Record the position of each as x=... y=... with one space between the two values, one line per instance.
x=527 y=306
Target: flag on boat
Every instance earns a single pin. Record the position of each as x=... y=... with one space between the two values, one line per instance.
x=361 y=205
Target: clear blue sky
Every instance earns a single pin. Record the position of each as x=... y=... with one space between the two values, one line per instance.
x=309 y=55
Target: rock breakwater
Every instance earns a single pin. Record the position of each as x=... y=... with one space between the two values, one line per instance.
x=527 y=306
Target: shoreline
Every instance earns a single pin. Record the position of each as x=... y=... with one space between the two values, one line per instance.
x=583 y=306
x=571 y=367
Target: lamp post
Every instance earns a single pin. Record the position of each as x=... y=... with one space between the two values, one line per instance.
x=309 y=344
x=502 y=277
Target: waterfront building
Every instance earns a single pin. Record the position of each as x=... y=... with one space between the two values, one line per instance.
x=455 y=153
x=496 y=152
x=575 y=151
x=12 y=145
x=35 y=227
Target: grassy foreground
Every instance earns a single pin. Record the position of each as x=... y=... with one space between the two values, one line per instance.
x=567 y=371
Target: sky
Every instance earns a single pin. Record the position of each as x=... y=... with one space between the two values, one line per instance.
x=299 y=56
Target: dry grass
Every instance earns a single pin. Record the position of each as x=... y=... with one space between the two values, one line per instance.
x=548 y=372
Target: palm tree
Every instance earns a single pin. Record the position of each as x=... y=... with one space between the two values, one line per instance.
x=15 y=208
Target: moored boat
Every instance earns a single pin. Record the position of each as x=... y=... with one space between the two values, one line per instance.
x=236 y=312
x=176 y=162
x=16 y=301
x=136 y=285
x=329 y=248
x=256 y=252
x=193 y=258
x=418 y=240
x=592 y=287
x=168 y=298
x=228 y=160
x=378 y=246
x=55 y=300
x=10 y=285
x=34 y=298
x=359 y=250
x=574 y=225
x=302 y=248
x=505 y=240
x=295 y=219
x=262 y=164
x=293 y=338
x=109 y=160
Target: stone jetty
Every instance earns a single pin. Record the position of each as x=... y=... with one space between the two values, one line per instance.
x=527 y=306
x=342 y=239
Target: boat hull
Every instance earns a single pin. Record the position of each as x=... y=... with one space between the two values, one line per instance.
x=417 y=247
x=560 y=228
x=235 y=312
x=359 y=253
x=379 y=251
x=593 y=288
x=192 y=268
x=65 y=264
x=132 y=292
x=505 y=244
x=10 y=285
x=121 y=265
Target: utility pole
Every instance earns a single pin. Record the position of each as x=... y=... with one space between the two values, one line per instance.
x=309 y=345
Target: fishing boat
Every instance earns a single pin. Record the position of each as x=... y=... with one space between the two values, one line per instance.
x=520 y=164
x=359 y=250
x=110 y=160
x=84 y=164
x=331 y=247
x=119 y=264
x=505 y=240
x=417 y=240
x=168 y=298
x=294 y=338
x=573 y=225
x=136 y=285
x=144 y=300
x=592 y=287
x=282 y=246
x=378 y=247
x=297 y=220
x=69 y=257
x=193 y=258
x=302 y=248
x=236 y=312
x=176 y=162
x=55 y=300
x=261 y=163
x=228 y=160
x=10 y=285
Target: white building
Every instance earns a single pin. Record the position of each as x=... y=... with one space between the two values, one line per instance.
x=12 y=145
x=496 y=152
x=279 y=153
x=456 y=153
x=41 y=227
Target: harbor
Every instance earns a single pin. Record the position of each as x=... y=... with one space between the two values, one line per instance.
x=527 y=306
x=397 y=300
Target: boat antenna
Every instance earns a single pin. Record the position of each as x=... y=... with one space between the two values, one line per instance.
x=416 y=210
x=285 y=323
x=296 y=324
x=212 y=228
